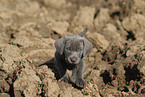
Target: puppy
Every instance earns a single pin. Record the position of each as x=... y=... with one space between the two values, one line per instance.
x=70 y=54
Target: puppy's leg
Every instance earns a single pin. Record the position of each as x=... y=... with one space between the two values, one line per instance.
x=62 y=71
x=78 y=74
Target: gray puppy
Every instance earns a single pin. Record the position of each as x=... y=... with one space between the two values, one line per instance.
x=70 y=54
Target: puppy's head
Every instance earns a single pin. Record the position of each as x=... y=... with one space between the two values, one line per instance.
x=74 y=47
x=73 y=50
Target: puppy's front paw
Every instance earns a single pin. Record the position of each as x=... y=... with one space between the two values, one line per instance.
x=73 y=79
x=80 y=83
x=64 y=78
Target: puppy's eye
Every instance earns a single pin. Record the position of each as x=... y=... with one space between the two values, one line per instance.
x=67 y=48
x=79 y=49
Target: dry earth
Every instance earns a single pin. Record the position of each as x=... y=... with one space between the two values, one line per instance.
x=29 y=28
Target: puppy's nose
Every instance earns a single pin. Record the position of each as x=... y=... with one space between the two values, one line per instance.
x=73 y=59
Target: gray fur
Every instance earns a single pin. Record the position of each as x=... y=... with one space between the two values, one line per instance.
x=70 y=54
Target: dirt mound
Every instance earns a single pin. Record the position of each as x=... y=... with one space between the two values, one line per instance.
x=29 y=28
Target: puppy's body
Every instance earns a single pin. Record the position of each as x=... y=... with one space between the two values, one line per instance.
x=70 y=54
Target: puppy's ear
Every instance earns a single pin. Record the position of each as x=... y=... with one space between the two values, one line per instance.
x=59 y=45
x=87 y=47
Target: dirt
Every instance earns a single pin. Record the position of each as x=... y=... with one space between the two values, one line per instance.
x=115 y=65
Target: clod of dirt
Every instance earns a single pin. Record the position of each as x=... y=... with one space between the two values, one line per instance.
x=37 y=49
x=102 y=19
x=50 y=87
x=70 y=92
x=111 y=54
x=93 y=76
x=98 y=40
x=135 y=25
x=90 y=73
x=135 y=96
x=6 y=17
x=111 y=34
x=139 y=6
x=4 y=86
x=126 y=7
x=53 y=3
x=135 y=47
x=84 y=18
x=27 y=83
x=93 y=57
x=60 y=28
x=120 y=75
x=10 y=54
x=3 y=38
x=91 y=90
x=49 y=84
x=111 y=92
x=4 y=95
x=141 y=66
x=45 y=72
x=134 y=22
x=25 y=7
x=3 y=74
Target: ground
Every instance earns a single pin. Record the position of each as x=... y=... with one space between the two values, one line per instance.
x=115 y=65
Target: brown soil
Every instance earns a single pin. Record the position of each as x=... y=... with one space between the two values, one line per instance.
x=115 y=65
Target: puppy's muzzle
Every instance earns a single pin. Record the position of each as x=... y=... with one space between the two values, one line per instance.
x=73 y=59
x=72 y=62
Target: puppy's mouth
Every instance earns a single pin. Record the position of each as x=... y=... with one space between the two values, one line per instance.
x=68 y=61
x=70 y=66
